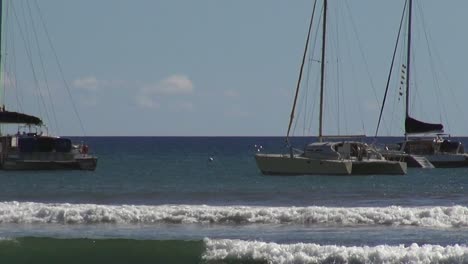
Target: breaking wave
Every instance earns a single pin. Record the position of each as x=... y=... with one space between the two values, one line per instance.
x=436 y=217
x=260 y=252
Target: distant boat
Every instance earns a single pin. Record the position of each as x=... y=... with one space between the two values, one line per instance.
x=422 y=140
x=343 y=157
x=31 y=148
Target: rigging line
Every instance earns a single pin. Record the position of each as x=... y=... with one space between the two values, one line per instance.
x=391 y=69
x=314 y=104
x=403 y=59
x=6 y=81
x=10 y=44
x=29 y=55
x=362 y=52
x=316 y=83
x=43 y=70
x=397 y=92
x=307 y=116
x=306 y=97
x=300 y=74
x=416 y=95
x=343 y=90
x=26 y=44
x=354 y=80
x=444 y=74
x=60 y=68
x=18 y=91
x=331 y=77
x=434 y=72
x=310 y=111
x=337 y=71
x=2 y=83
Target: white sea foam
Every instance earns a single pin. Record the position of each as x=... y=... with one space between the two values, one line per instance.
x=218 y=250
x=28 y=212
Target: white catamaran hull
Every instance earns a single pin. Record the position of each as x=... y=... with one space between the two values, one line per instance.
x=280 y=164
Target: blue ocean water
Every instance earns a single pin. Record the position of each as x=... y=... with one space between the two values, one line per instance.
x=167 y=192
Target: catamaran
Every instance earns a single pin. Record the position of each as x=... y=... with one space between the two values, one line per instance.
x=425 y=144
x=342 y=157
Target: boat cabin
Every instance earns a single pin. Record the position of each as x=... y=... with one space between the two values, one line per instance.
x=356 y=150
x=430 y=146
x=321 y=150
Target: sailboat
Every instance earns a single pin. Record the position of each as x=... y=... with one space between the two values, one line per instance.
x=326 y=157
x=436 y=149
x=31 y=148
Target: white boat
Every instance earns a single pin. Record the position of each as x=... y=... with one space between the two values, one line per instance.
x=318 y=158
x=31 y=147
x=422 y=139
x=368 y=160
x=326 y=157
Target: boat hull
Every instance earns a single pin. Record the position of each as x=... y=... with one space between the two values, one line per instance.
x=441 y=160
x=76 y=164
x=383 y=167
x=447 y=160
x=280 y=164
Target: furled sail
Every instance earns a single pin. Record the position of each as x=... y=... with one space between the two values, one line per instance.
x=19 y=118
x=413 y=126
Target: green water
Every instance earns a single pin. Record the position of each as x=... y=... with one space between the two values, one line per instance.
x=48 y=250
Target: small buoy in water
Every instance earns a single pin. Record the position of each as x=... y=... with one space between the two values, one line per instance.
x=255 y=145
x=261 y=146
x=258 y=150
x=210 y=159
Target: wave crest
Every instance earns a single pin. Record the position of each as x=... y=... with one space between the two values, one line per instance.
x=28 y=212
x=226 y=249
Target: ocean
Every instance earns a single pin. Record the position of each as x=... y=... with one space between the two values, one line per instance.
x=203 y=200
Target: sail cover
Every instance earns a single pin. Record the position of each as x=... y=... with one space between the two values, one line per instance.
x=413 y=126
x=18 y=118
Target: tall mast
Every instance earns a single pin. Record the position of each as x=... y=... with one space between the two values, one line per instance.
x=408 y=58
x=300 y=74
x=322 y=77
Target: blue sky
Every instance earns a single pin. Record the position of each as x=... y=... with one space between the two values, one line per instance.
x=211 y=67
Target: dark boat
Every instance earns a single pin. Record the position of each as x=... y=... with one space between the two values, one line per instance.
x=32 y=148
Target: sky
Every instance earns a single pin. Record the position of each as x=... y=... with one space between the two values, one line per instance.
x=229 y=68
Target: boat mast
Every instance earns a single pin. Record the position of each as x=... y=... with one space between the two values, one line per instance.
x=408 y=58
x=322 y=77
x=300 y=74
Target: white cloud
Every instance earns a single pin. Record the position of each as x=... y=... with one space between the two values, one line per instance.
x=93 y=84
x=174 y=85
x=89 y=83
x=146 y=102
